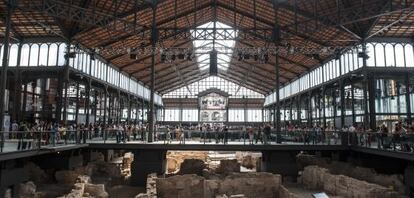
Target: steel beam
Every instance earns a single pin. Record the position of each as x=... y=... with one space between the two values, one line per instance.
x=5 y=65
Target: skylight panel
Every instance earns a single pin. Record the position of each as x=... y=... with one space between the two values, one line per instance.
x=223 y=47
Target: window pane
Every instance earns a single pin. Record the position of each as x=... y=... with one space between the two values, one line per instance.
x=24 y=57
x=379 y=55
x=13 y=55
x=34 y=55
x=43 y=55
x=389 y=51
x=53 y=53
x=409 y=58
x=61 y=55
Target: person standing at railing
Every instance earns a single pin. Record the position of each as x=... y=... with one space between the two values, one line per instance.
x=329 y=134
x=354 y=137
x=384 y=135
x=259 y=135
x=251 y=134
x=181 y=135
x=63 y=133
x=21 y=144
x=361 y=135
x=168 y=135
x=118 y=132
x=14 y=128
x=314 y=134
x=53 y=134
x=267 y=129
x=396 y=136
x=226 y=134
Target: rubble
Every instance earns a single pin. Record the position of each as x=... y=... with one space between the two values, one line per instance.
x=151 y=187
x=249 y=160
x=175 y=158
x=192 y=166
x=35 y=173
x=27 y=190
x=83 y=188
x=66 y=176
x=228 y=166
x=314 y=177
x=96 y=190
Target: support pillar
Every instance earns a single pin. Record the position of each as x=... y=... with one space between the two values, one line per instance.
x=77 y=104
x=146 y=162
x=87 y=102
x=17 y=88
x=310 y=110
x=154 y=40
x=323 y=106
x=43 y=93
x=353 y=103
x=298 y=114
x=371 y=103
x=129 y=110
x=342 y=96
x=5 y=65
x=105 y=105
x=408 y=98
x=66 y=83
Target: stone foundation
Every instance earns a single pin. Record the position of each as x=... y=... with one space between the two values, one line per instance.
x=360 y=173
x=234 y=185
x=314 y=177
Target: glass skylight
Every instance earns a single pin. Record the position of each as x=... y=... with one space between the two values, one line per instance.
x=223 y=47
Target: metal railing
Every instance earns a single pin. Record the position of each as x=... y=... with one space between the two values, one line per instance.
x=32 y=140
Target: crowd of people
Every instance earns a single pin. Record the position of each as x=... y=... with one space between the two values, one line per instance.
x=30 y=135
x=399 y=137
x=49 y=133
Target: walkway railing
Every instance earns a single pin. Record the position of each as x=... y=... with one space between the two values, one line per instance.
x=34 y=140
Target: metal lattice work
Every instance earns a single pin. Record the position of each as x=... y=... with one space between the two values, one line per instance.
x=115 y=25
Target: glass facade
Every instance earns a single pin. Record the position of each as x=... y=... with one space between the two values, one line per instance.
x=338 y=98
x=53 y=54
x=378 y=55
x=234 y=90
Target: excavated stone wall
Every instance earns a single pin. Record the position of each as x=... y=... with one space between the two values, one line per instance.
x=176 y=158
x=241 y=184
x=341 y=168
x=314 y=177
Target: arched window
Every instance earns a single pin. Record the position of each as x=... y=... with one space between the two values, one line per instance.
x=93 y=68
x=357 y=61
x=399 y=55
x=86 y=63
x=53 y=54
x=379 y=55
x=389 y=55
x=43 y=55
x=61 y=55
x=409 y=55
x=371 y=55
x=338 y=69
x=24 y=57
x=34 y=55
x=76 y=61
x=1 y=54
x=14 y=50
